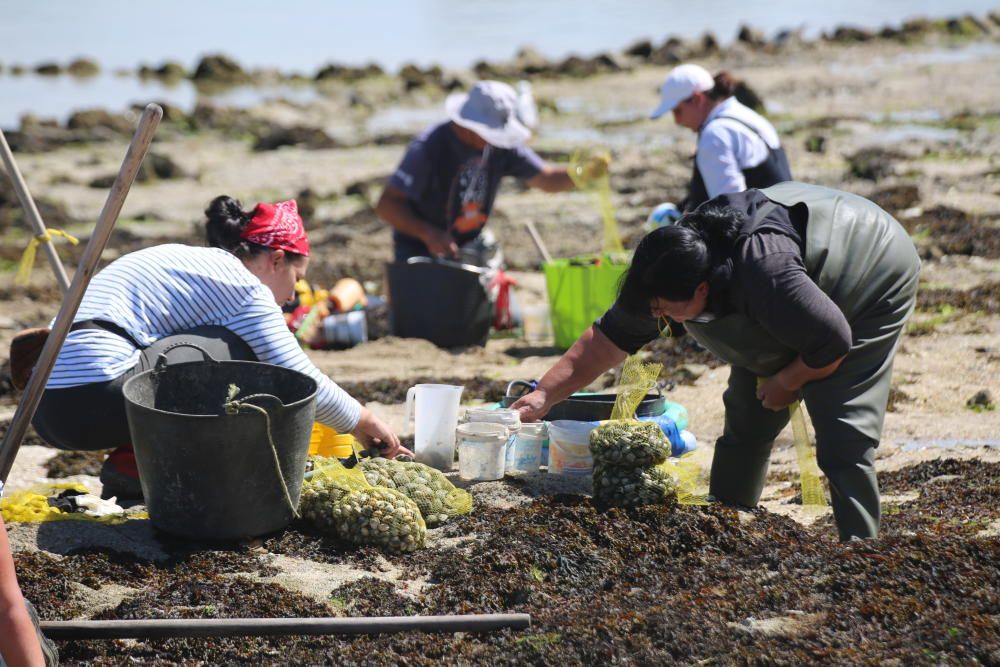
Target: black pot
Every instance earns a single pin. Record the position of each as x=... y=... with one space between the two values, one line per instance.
x=586 y=407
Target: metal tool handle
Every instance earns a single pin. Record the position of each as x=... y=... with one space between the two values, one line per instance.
x=530 y=386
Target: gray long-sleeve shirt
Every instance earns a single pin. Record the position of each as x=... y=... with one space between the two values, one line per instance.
x=765 y=279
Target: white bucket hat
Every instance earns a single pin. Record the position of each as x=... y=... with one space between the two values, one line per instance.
x=489 y=110
x=682 y=82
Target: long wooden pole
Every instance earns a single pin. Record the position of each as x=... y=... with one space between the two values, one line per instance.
x=84 y=272
x=255 y=627
x=537 y=239
x=31 y=211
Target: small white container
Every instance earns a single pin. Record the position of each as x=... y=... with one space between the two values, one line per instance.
x=510 y=419
x=525 y=455
x=481 y=450
x=537 y=323
x=569 y=448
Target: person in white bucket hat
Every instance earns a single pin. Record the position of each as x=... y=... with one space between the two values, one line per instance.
x=737 y=147
x=441 y=195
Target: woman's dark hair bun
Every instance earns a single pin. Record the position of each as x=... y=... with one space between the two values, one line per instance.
x=725 y=86
x=225 y=220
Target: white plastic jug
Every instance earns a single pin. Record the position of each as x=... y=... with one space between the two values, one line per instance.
x=435 y=419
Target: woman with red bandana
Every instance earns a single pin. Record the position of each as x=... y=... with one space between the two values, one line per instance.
x=225 y=299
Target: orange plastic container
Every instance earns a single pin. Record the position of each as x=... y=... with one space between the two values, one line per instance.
x=327 y=442
x=347 y=294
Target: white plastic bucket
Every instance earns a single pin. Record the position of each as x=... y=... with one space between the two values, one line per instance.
x=510 y=419
x=569 y=448
x=481 y=450
x=537 y=323
x=435 y=417
x=525 y=455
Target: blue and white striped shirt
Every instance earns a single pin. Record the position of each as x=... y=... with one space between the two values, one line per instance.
x=159 y=291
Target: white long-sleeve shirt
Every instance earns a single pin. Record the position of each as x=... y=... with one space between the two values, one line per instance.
x=726 y=147
x=163 y=290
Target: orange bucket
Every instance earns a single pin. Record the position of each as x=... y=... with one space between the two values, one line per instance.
x=324 y=441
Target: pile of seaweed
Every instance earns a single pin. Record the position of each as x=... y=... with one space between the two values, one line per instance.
x=655 y=585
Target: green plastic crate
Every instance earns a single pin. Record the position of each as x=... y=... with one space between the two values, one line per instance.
x=580 y=290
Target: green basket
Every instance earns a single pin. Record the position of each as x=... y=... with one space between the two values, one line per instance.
x=580 y=290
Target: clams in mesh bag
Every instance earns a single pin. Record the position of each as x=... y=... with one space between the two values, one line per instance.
x=342 y=502
x=626 y=487
x=629 y=444
x=437 y=498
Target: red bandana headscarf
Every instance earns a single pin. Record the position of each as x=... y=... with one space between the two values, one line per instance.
x=278 y=226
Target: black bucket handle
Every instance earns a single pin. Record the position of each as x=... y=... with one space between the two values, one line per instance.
x=161 y=360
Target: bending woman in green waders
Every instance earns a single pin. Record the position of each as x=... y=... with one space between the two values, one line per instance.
x=804 y=290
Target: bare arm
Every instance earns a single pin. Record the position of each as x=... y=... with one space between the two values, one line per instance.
x=783 y=388
x=18 y=641
x=394 y=208
x=552 y=179
x=592 y=354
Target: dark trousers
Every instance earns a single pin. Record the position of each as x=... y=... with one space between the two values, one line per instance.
x=847 y=411
x=92 y=416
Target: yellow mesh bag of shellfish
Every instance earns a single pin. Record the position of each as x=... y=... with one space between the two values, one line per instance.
x=341 y=501
x=435 y=495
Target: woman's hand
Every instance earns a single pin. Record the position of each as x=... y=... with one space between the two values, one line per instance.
x=532 y=406
x=376 y=434
x=774 y=396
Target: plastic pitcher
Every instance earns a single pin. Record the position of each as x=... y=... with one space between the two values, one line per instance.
x=434 y=409
x=482 y=448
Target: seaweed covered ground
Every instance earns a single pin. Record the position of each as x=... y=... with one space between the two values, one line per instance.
x=658 y=585
x=655 y=585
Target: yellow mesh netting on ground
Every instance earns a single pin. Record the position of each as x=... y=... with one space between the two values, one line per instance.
x=32 y=506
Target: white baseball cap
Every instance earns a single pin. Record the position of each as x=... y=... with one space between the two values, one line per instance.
x=682 y=82
x=489 y=110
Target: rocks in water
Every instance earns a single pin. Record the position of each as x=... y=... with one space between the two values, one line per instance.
x=298 y=135
x=413 y=76
x=897 y=198
x=168 y=71
x=99 y=118
x=346 y=73
x=48 y=69
x=83 y=67
x=218 y=68
x=750 y=37
x=872 y=164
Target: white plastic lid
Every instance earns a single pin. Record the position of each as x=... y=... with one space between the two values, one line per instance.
x=509 y=418
x=534 y=430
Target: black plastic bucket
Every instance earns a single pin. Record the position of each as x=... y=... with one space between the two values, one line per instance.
x=209 y=475
x=587 y=407
x=440 y=301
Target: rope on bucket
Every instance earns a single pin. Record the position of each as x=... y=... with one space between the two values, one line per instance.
x=233 y=407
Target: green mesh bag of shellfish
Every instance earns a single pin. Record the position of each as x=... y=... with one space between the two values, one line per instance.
x=340 y=501
x=437 y=498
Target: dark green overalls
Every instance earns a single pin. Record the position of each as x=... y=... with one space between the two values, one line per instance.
x=864 y=260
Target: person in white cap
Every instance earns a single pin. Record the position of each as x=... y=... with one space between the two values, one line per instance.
x=440 y=196
x=737 y=147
